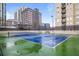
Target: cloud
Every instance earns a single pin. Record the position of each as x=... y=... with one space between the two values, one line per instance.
x=9 y=15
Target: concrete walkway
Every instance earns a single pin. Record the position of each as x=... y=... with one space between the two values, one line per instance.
x=43 y=31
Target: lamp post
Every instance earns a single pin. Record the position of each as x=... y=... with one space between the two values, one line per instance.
x=52 y=22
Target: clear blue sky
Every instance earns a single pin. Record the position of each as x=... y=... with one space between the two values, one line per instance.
x=47 y=10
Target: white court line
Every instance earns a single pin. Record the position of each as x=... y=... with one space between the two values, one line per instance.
x=62 y=41
x=58 y=43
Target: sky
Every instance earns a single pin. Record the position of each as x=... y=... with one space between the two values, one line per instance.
x=47 y=10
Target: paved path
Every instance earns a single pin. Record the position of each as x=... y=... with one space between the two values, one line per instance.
x=43 y=31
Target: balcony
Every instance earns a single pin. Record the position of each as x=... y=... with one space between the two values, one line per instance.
x=63 y=20
x=64 y=16
x=63 y=12
x=63 y=6
x=63 y=23
x=63 y=3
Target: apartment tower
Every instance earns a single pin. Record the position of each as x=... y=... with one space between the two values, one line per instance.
x=31 y=18
x=37 y=16
x=67 y=16
x=2 y=16
x=28 y=18
x=18 y=15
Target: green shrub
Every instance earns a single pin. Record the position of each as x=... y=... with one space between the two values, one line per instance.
x=20 y=42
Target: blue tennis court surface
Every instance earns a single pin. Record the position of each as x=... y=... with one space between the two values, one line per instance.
x=44 y=39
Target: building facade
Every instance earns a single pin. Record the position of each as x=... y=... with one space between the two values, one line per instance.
x=2 y=16
x=37 y=16
x=45 y=26
x=11 y=24
x=67 y=16
x=28 y=18
x=18 y=15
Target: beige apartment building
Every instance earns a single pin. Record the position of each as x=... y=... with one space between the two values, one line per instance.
x=31 y=18
x=28 y=18
x=67 y=16
x=37 y=18
x=18 y=15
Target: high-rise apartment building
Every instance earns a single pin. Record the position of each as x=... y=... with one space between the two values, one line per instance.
x=2 y=15
x=67 y=16
x=28 y=18
x=18 y=15
x=37 y=22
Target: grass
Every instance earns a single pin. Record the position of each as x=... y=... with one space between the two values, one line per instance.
x=69 y=47
x=25 y=47
x=20 y=42
x=29 y=48
x=2 y=44
x=2 y=37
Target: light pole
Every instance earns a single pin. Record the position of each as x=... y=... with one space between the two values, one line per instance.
x=52 y=22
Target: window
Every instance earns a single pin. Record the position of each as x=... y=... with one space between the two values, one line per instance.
x=67 y=3
x=57 y=7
